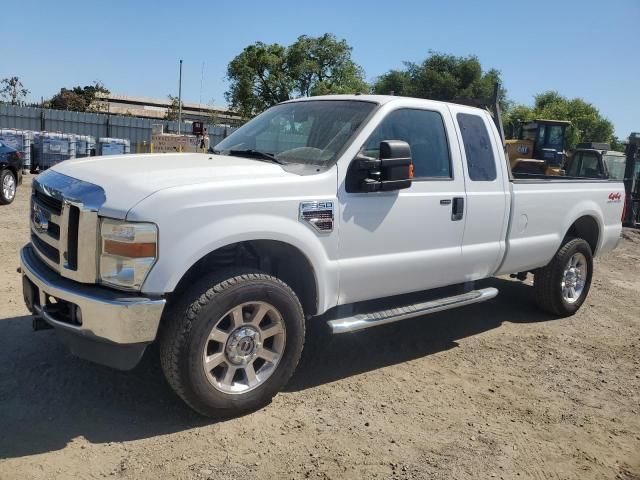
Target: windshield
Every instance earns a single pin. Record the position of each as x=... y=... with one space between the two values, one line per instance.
x=311 y=132
x=615 y=166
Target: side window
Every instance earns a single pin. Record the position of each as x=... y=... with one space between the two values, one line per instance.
x=589 y=167
x=477 y=146
x=615 y=165
x=574 y=166
x=424 y=131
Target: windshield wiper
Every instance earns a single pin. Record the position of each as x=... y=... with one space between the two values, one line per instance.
x=257 y=154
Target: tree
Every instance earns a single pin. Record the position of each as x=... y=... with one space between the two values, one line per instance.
x=587 y=124
x=68 y=100
x=80 y=99
x=174 y=108
x=259 y=79
x=92 y=95
x=12 y=90
x=263 y=75
x=513 y=116
x=323 y=65
x=441 y=77
x=617 y=144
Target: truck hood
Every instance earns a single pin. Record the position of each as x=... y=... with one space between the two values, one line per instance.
x=128 y=179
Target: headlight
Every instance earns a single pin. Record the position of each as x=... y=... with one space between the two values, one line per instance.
x=128 y=252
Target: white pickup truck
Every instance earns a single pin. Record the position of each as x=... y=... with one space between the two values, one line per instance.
x=306 y=213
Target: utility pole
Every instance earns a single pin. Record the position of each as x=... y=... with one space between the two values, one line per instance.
x=180 y=98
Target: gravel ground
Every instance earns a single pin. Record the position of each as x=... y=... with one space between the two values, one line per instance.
x=492 y=390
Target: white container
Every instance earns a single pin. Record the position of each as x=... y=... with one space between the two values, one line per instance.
x=85 y=145
x=113 y=146
x=53 y=148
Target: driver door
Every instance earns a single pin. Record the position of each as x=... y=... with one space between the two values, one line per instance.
x=407 y=240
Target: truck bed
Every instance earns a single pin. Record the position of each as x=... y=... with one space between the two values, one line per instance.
x=543 y=210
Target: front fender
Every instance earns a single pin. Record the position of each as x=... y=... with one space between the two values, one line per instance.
x=181 y=248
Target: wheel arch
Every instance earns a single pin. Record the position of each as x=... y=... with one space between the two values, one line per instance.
x=274 y=257
x=11 y=168
x=586 y=227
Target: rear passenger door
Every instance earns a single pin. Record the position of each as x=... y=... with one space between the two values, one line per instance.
x=487 y=188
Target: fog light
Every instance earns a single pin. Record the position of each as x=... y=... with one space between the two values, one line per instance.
x=78 y=315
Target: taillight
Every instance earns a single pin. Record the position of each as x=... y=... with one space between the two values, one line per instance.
x=19 y=155
x=624 y=208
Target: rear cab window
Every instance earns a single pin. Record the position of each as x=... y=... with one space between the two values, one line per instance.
x=477 y=147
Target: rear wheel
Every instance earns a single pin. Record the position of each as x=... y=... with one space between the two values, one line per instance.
x=562 y=286
x=8 y=185
x=232 y=342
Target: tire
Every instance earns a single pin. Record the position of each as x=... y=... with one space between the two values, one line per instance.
x=209 y=324
x=8 y=187
x=552 y=283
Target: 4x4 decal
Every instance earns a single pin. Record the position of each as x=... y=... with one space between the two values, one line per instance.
x=614 y=197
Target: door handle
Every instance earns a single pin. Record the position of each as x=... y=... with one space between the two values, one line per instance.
x=457 y=209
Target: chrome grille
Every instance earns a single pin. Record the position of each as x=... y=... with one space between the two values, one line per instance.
x=64 y=224
x=52 y=204
x=47 y=250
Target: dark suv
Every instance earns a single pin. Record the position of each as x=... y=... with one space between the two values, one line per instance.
x=10 y=173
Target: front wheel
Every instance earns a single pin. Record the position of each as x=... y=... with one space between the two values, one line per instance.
x=232 y=342
x=562 y=286
x=8 y=185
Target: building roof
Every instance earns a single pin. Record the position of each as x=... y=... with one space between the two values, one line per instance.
x=159 y=102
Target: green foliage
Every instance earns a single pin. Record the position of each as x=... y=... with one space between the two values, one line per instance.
x=91 y=95
x=513 y=116
x=441 y=77
x=12 y=90
x=587 y=124
x=617 y=144
x=80 y=99
x=68 y=100
x=323 y=65
x=259 y=79
x=263 y=75
x=173 y=109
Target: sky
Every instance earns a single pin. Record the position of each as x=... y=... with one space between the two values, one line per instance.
x=581 y=48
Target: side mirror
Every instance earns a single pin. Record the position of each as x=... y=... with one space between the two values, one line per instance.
x=393 y=171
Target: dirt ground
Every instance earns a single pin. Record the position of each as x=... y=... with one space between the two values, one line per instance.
x=496 y=390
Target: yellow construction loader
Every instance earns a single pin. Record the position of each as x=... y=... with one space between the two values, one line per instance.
x=539 y=148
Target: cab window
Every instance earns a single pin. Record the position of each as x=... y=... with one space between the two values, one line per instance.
x=481 y=163
x=424 y=131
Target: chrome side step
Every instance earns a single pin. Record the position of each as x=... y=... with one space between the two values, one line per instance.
x=373 y=319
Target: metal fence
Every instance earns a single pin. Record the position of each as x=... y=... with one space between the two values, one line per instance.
x=135 y=129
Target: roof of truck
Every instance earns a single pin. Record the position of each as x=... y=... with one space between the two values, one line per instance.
x=362 y=98
x=379 y=99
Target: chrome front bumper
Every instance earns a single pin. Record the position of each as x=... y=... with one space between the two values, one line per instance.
x=106 y=315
